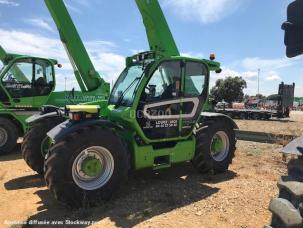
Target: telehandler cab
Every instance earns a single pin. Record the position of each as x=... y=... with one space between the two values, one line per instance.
x=153 y=119
x=26 y=84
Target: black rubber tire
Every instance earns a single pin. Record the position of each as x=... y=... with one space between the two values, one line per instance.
x=12 y=136
x=295 y=169
x=31 y=146
x=231 y=115
x=203 y=160
x=59 y=162
x=287 y=209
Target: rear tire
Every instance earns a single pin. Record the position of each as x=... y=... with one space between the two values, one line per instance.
x=287 y=209
x=32 y=143
x=64 y=167
x=8 y=136
x=205 y=159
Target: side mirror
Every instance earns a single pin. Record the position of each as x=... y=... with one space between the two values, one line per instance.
x=294 y=29
x=73 y=93
x=128 y=61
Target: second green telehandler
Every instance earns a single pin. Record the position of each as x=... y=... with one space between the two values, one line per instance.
x=26 y=84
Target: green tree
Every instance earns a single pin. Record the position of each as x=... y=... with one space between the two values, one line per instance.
x=260 y=96
x=229 y=89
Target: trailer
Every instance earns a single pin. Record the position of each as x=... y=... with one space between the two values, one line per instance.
x=284 y=98
x=248 y=114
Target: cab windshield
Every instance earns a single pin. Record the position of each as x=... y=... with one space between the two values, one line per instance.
x=125 y=88
x=1 y=67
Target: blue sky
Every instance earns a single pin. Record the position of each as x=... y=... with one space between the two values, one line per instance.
x=245 y=35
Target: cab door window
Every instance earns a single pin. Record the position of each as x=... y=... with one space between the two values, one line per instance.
x=195 y=76
x=165 y=82
x=44 y=79
x=160 y=102
x=18 y=79
x=195 y=93
x=29 y=78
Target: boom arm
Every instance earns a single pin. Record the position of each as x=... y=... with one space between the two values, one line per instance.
x=158 y=33
x=86 y=75
x=3 y=54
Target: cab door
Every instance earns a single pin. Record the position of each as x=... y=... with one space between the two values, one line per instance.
x=43 y=82
x=160 y=104
x=18 y=83
x=194 y=95
x=29 y=82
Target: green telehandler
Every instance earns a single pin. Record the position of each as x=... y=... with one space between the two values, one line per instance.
x=26 y=84
x=152 y=119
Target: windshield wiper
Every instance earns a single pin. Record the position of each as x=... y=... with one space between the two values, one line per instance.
x=120 y=99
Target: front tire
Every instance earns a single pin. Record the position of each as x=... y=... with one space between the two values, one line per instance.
x=32 y=147
x=215 y=146
x=8 y=136
x=87 y=167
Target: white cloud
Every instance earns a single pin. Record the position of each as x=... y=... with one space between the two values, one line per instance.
x=204 y=11
x=107 y=62
x=299 y=90
x=97 y=46
x=72 y=8
x=29 y=43
x=38 y=22
x=247 y=75
x=273 y=76
x=110 y=64
x=251 y=78
x=9 y=3
x=268 y=64
x=192 y=54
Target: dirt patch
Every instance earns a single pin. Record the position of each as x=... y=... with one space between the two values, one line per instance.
x=170 y=198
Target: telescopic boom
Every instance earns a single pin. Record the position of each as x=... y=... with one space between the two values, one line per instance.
x=85 y=72
x=158 y=33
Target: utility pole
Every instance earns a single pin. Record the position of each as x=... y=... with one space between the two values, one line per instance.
x=65 y=83
x=259 y=71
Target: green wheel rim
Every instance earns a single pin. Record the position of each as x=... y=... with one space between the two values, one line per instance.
x=220 y=146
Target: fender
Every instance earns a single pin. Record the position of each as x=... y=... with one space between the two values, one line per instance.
x=38 y=117
x=48 y=111
x=295 y=147
x=212 y=115
x=68 y=127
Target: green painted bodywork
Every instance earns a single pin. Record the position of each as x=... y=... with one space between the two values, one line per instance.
x=144 y=156
x=162 y=48
x=158 y=33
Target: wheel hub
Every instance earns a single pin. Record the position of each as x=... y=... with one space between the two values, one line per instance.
x=217 y=145
x=92 y=167
x=3 y=136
